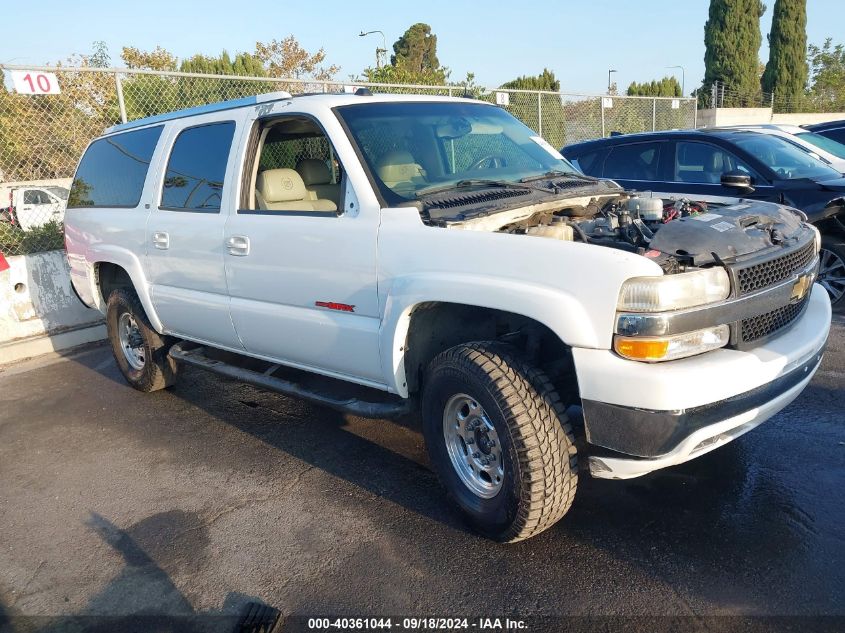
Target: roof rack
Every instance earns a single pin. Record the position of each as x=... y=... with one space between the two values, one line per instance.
x=203 y=109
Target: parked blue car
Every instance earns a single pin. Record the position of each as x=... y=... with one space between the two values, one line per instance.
x=713 y=164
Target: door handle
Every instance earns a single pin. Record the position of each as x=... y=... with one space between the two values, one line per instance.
x=161 y=240
x=238 y=245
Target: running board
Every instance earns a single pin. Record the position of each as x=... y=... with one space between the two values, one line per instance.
x=391 y=407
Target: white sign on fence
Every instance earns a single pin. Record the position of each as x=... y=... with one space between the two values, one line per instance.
x=606 y=102
x=676 y=103
x=503 y=98
x=28 y=82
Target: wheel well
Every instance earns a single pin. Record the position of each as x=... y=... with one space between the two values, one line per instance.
x=437 y=326
x=112 y=277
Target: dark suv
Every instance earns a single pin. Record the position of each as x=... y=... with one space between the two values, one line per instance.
x=830 y=129
x=729 y=163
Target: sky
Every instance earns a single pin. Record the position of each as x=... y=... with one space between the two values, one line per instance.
x=579 y=40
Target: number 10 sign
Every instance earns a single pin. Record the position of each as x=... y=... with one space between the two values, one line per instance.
x=29 y=82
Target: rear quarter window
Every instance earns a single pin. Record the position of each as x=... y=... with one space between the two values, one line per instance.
x=113 y=170
x=590 y=162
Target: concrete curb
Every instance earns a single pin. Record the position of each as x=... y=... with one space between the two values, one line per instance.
x=32 y=346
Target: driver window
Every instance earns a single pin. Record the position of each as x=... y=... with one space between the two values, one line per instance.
x=296 y=171
x=703 y=163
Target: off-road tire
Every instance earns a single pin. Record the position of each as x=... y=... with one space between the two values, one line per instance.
x=159 y=370
x=537 y=443
x=835 y=243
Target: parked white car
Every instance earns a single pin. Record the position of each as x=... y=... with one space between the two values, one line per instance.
x=826 y=149
x=389 y=254
x=33 y=204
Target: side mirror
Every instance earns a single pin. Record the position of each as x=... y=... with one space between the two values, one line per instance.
x=737 y=180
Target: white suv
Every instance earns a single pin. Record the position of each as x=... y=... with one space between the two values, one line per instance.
x=385 y=254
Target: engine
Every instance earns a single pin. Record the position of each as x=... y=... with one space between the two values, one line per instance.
x=676 y=233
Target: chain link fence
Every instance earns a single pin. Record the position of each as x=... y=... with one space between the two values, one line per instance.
x=43 y=136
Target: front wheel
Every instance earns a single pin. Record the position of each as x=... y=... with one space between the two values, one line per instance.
x=832 y=270
x=499 y=440
x=140 y=351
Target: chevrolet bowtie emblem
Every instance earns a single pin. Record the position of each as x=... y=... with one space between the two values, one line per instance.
x=801 y=287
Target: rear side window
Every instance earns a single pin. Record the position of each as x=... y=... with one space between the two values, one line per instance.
x=637 y=161
x=590 y=162
x=195 y=170
x=837 y=134
x=113 y=170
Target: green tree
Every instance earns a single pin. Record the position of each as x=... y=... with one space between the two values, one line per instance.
x=546 y=80
x=99 y=57
x=666 y=87
x=414 y=60
x=827 y=76
x=786 y=72
x=416 y=50
x=731 y=49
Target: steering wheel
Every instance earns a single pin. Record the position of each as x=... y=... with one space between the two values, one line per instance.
x=490 y=161
x=785 y=173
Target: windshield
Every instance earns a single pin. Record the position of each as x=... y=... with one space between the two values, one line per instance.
x=60 y=192
x=785 y=159
x=822 y=142
x=414 y=149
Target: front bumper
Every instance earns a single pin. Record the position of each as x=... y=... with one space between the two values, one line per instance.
x=668 y=413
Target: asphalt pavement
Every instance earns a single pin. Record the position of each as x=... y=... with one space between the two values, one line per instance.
x=193 y=502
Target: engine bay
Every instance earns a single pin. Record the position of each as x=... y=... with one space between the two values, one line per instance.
x=677 y=233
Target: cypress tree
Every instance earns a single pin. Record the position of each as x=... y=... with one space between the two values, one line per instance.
x=786 y=71
x=732 y=43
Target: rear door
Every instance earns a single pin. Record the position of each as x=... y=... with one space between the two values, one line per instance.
x=184 y=234
x=635 y=165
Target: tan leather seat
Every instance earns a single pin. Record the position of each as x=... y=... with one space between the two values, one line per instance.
x=283 y=190
x=399 y=171
x=318 y=180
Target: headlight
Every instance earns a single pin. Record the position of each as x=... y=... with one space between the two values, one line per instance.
x=817 y=239
x=674 y=292
x=660 y=348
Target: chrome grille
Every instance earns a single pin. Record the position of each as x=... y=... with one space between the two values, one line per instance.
x=774 y=270
x=758 y=327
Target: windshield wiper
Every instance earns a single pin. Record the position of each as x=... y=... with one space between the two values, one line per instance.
x=470 y=182
x=480 y=182
x=555 y=173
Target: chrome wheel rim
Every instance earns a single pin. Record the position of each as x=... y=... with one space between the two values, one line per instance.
x=131 y=341
x=473 y=446
x=832 y=274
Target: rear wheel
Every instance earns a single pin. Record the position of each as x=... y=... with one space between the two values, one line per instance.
x=140 y=351
x=832 y=269
x=499 y=440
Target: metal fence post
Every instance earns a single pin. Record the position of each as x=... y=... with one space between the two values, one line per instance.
x=118 y=84
x=540 y=112
x=695 y=115
x=654 y=115
x=450 y=91
x=601 y=107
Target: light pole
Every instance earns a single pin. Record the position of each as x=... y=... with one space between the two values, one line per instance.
x=609 y=84
x=683 y=80
x=379 y=51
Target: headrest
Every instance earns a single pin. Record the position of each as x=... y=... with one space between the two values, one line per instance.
x=280 y=185
x=398 y=166
x=314 y=172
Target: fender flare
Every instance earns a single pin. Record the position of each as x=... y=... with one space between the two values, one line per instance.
x=540 y=303
x=131 y=263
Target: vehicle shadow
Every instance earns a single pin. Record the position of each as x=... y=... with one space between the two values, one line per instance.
x=142 y=597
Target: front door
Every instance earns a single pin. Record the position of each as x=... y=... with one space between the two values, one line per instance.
x=184 y=236
x=696 y=170
x=301 y=258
